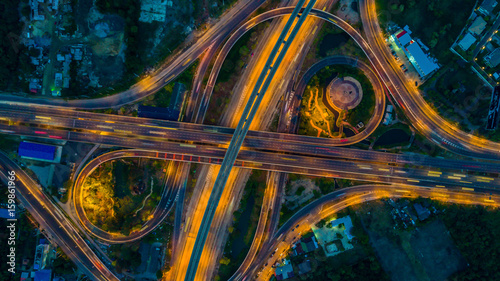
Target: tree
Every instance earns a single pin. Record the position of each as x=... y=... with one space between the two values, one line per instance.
x=321 y=223
x=225 y=260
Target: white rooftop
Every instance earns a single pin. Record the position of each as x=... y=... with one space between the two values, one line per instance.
x=467 y=41
x=347 y=224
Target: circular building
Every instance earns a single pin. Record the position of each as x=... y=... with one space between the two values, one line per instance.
x=344 y=93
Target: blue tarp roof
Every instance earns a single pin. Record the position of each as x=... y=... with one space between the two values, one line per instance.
x=43 y=275
x=36 y=150
x=4 y=213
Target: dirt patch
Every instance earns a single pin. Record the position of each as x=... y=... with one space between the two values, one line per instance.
x=300 y=191
x=434 y=248
x=421 y=253
x=348 y=11
x=109 y=46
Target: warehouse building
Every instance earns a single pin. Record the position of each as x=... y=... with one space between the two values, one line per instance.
x=37 y=151
x=422 y=63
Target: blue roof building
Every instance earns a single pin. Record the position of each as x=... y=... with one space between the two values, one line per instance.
x=5 y=214
x=420 y=60
x=43 y=275
x=36 y=151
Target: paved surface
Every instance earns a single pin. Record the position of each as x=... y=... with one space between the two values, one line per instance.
x=344 y=93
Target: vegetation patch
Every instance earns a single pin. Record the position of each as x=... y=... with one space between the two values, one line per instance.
x=230 y=72
x=126 y=256
x=458 y=95
x=245 y=221
x=15 y=62
x=119 y=196
x=318 y=119
x=475 y=231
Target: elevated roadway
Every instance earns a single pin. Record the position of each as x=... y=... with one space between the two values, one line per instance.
x=461 y=143
x=374 y=170
x=271 y=193
x=94 y=130
x=242 y=128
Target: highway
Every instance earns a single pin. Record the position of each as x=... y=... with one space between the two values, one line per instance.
x=336 y=167
x=280 y=143
x=460 y=147
x=272 y=196
x=340 y=199
x=293 y=153
x=53 y=223
x=241 y=130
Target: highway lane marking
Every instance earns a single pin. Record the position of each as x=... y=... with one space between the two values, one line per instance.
x=459 y=175
x=467 y=188
x=481 y=180
x=316 y=27
x=186 y=62
x=465 y=182
x=104 y=127
x=109 y=121
x=384 y=169
x=454 y=178
x=169 y=78
x=486 y=178
x=157 y=133
x=404 y=191
x=440 y=186
x=157 y=127
x=435 y=172
x=434 y=175
x=399 y=171
x=413 y=180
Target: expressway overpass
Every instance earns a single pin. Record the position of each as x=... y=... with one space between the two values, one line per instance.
x=167 y=72
x=88 y=127
x=450 y=138
x=273 y=62
x=480 y=148
x=373 y=170
x=492 y=186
